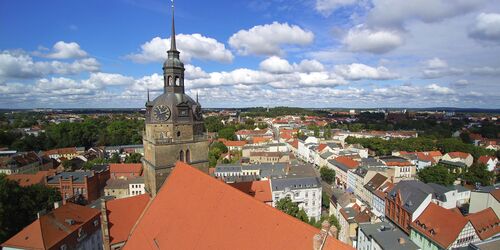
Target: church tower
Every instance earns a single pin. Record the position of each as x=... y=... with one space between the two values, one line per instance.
x=173 y=127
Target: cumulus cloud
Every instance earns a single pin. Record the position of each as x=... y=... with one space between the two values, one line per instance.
x=461 y=83
x=326 y=7
x=436 y=68
x=108 y=79
x=275 y=64
x=361 y=39
x=486 y=27
x=64 y=50
x=357 y=71
x=190 y=45
x=17 y=64
x=308 y=66
x=268 y=39
x=396 y=12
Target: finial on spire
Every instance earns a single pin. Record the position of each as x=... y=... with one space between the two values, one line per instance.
x=197 y=96
x=148 y=94
x=172 y=35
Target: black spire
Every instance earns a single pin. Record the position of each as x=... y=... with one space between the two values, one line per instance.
x=172 y=35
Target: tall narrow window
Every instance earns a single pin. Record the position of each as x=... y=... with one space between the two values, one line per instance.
x=181 y=156
x=188 y=156
x=177 y=81
x=169 y=82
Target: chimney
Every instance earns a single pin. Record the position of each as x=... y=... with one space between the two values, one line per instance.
x=104 y=226
x=320 y=238
x=401 y=241
x=317 y=241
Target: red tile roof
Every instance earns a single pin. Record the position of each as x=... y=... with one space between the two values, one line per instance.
x=485 y=222
x=123 y=214
x=115 y=168
x=260 y=139
x=295 y=144
x=460 y=155
x=434 y=153
x=193 y=210
x=50 y=229
x=260 y=190
x=234 y=143
x=484 y=159
x=25 y=180
x=348 y=161
x=321 y=147
x=439 y=224
x=61 y=151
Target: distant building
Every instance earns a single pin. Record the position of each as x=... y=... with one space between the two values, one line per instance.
x=87 y=184
x=383 y=236
x=125 y=170
x=23 y=163
x=486 y=223
x=122 y=188
x=305 y=191
x=269 y=157
x=341 y=165
x=25 y=180
x=67 y=153
x=399 y=168
x=67 y=227
x=462 y=157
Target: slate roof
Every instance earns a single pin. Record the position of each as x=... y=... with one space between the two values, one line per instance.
x=78 y=176
x=387 y=236
x=375 y=182
x=413 y=193
x=294 y=183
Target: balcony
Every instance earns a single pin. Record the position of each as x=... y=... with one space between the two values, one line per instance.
x=171 y=140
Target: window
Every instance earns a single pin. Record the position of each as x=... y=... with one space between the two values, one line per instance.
x=188 y=156
x=181 y=155
x=178 y=133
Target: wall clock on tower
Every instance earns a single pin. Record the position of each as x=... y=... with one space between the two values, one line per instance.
x=161 y=112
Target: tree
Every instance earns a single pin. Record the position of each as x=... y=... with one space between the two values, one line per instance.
x=325 y=200
x=115 y=158
x=213 y=124
x=327 y=174
x=478 y=173
x=288 y=206
x=301 y=215
x=437 y=174
x=133 y=158
x=220 y=146
x=227 y=133
x=334 y=221
x=19 y=205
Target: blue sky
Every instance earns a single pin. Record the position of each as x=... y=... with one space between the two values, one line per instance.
x=310 y=53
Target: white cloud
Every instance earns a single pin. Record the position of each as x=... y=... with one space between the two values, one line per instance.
x=190 y=45
x=310 y=66
x=436 y=68
x=461 y=83
x=486 y=71
x=269 y=38
x=17 y=64
x=276 y=65
x=194 y=72
x=434 y=88
x=486 y=27
x=396 y=12
x=64 y=50
x=361 y=39
x=109 y=79
x=357 y=71
x=326 y=7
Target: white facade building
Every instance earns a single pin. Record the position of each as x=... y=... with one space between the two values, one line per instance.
x=305 y=191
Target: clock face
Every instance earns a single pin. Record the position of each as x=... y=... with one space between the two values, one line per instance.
x=161 y=113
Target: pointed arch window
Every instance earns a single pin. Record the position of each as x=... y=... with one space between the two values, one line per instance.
x=188 y=156
x=181 y=155
x=169 y=82
x=177 y=81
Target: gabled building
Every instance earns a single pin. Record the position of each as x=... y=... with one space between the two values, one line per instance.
x=461 y=157
x=490 y=162
x=193 y=210
x=372 y=185
x=441 y=228
x=486 y=223
x=125 y=170
x=70 y=226
x=399 y=168
x=341 y=165
x=406 y=201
